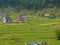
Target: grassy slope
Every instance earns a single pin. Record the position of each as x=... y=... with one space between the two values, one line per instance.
x=35 y=29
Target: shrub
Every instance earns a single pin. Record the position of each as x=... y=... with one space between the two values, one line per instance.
x=58 y=34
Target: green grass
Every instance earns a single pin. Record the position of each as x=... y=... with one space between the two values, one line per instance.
x=35 y=29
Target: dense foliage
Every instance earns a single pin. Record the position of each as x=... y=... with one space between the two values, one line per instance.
x=29 y=4
x=58 y=34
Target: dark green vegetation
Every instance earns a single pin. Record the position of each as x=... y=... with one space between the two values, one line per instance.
x=58 y=34
x=29 y=4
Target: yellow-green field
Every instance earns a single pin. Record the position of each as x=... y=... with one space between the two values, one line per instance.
x=36 y=29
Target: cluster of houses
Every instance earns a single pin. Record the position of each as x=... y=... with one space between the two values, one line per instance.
x=5 y=18
x=49 y=15
x=36 y=43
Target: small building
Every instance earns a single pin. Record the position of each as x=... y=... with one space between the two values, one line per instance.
x=6 y=19
x=31 y=43
x=47 y=15
x=39 y=43
x=36 y=43
x=52 y=16
x=21 y=18
x=1 y=16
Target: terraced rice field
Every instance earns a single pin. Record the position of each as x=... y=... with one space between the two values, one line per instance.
x=37 y=29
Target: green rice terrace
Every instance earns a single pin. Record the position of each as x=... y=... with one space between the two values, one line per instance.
x=26 y=21
x=36 y=29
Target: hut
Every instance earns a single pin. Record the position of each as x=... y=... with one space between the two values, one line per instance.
x=52 y=16
x=21 y=18
x=31 y=43
x=6 y=19
x=1 y=17
x=49 y=15
x=36 y=43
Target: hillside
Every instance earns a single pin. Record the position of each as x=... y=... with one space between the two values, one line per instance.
x=29 y=4
x=38 y=29
x=24 y=21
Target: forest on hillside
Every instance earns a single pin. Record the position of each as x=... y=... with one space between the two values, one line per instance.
x=29 y=4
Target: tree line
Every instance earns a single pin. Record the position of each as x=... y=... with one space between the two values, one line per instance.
x=29 y=4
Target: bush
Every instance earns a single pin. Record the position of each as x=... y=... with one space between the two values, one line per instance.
x=52 y=16
x=58 y=34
